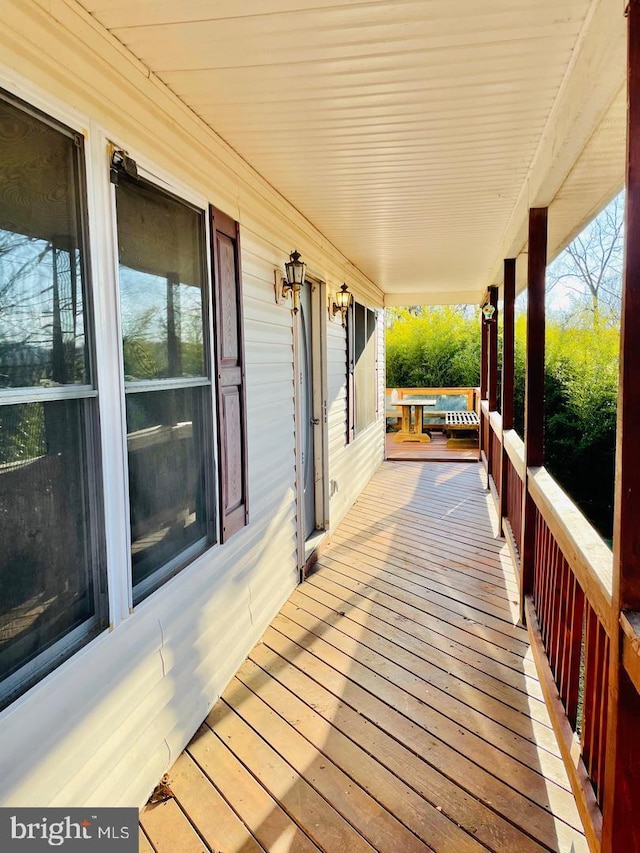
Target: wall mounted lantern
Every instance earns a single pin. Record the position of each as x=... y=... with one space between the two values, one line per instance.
x=488 y=310
x=341 y=303
x=292 y=283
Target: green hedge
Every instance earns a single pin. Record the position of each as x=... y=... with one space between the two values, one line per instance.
x=440 y=347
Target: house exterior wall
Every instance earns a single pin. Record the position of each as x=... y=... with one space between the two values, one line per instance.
x=105 y=725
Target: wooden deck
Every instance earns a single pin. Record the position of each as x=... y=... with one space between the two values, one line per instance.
x=392 y=705
x=434 y=451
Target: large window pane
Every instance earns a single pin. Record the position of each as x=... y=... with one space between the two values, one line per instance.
x=169 y=416
x=42 y=335
x=161 y=294
x=45 y=560
x=52 y=582
x=167 y=474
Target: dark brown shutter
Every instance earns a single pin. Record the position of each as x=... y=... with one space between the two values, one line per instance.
x=351 y=365
x=229 y=366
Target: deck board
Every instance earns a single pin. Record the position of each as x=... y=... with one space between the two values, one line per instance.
x=435 y=450
x=392 y=705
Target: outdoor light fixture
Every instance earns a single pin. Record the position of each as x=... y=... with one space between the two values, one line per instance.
x=293 y=282
x=341 y=304
x=488 y=311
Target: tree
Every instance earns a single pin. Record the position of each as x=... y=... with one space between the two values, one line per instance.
x=589 y=271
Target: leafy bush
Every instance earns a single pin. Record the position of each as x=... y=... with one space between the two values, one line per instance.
x=438 y=348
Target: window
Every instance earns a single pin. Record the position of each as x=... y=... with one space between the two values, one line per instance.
x=53 y=573
x=52 y=556
x=362 y=369
x=167 y=377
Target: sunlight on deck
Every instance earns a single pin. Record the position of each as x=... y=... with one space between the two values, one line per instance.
x=392 y=705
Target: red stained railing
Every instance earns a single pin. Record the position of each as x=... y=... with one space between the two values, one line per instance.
x=568 y=611
x=573 y=637
x=484 y=426
x=495 y=457
x=559 y=603
x=513 y=506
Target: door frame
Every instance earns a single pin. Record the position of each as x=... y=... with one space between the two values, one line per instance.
x=306 y=546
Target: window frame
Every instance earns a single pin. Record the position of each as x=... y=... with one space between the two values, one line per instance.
x=353 y=428
x=137 y=593
x=48 y=659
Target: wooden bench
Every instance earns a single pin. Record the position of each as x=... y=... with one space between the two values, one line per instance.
x=461 y=422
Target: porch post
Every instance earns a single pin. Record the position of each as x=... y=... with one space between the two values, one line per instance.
x=492 y=378
x=534 y=389
x=620 y=808
x=484 y=358
x=484 y=373
x=508 y=371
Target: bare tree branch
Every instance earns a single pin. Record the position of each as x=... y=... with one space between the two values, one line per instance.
x=590 y=267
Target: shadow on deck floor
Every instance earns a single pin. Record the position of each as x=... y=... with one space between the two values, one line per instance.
x=392 y=705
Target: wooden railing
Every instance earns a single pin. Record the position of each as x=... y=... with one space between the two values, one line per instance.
x=568 y=614
x=513 y=485
x=495 y=448
x=484 y=432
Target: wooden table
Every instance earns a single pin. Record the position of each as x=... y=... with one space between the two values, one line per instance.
x=416 y=406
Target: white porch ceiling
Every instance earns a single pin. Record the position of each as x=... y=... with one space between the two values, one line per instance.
x=413 y=134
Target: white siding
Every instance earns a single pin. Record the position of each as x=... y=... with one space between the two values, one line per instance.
x=104 y=726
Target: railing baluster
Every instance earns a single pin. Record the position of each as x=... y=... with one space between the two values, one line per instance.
x=548 y=582
x=558 y=610
x=574 y=652
x=596 y=678
x=517 y=504
x=590 y=657
x=603 y=671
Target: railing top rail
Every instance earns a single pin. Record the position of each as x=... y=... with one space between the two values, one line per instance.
x=514 y=447
x=584 y=549
x=495 y=419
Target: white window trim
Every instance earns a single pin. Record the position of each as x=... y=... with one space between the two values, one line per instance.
x=104 y=252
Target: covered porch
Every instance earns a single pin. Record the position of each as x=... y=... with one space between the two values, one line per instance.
x=414 y=153
x=392 y=705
